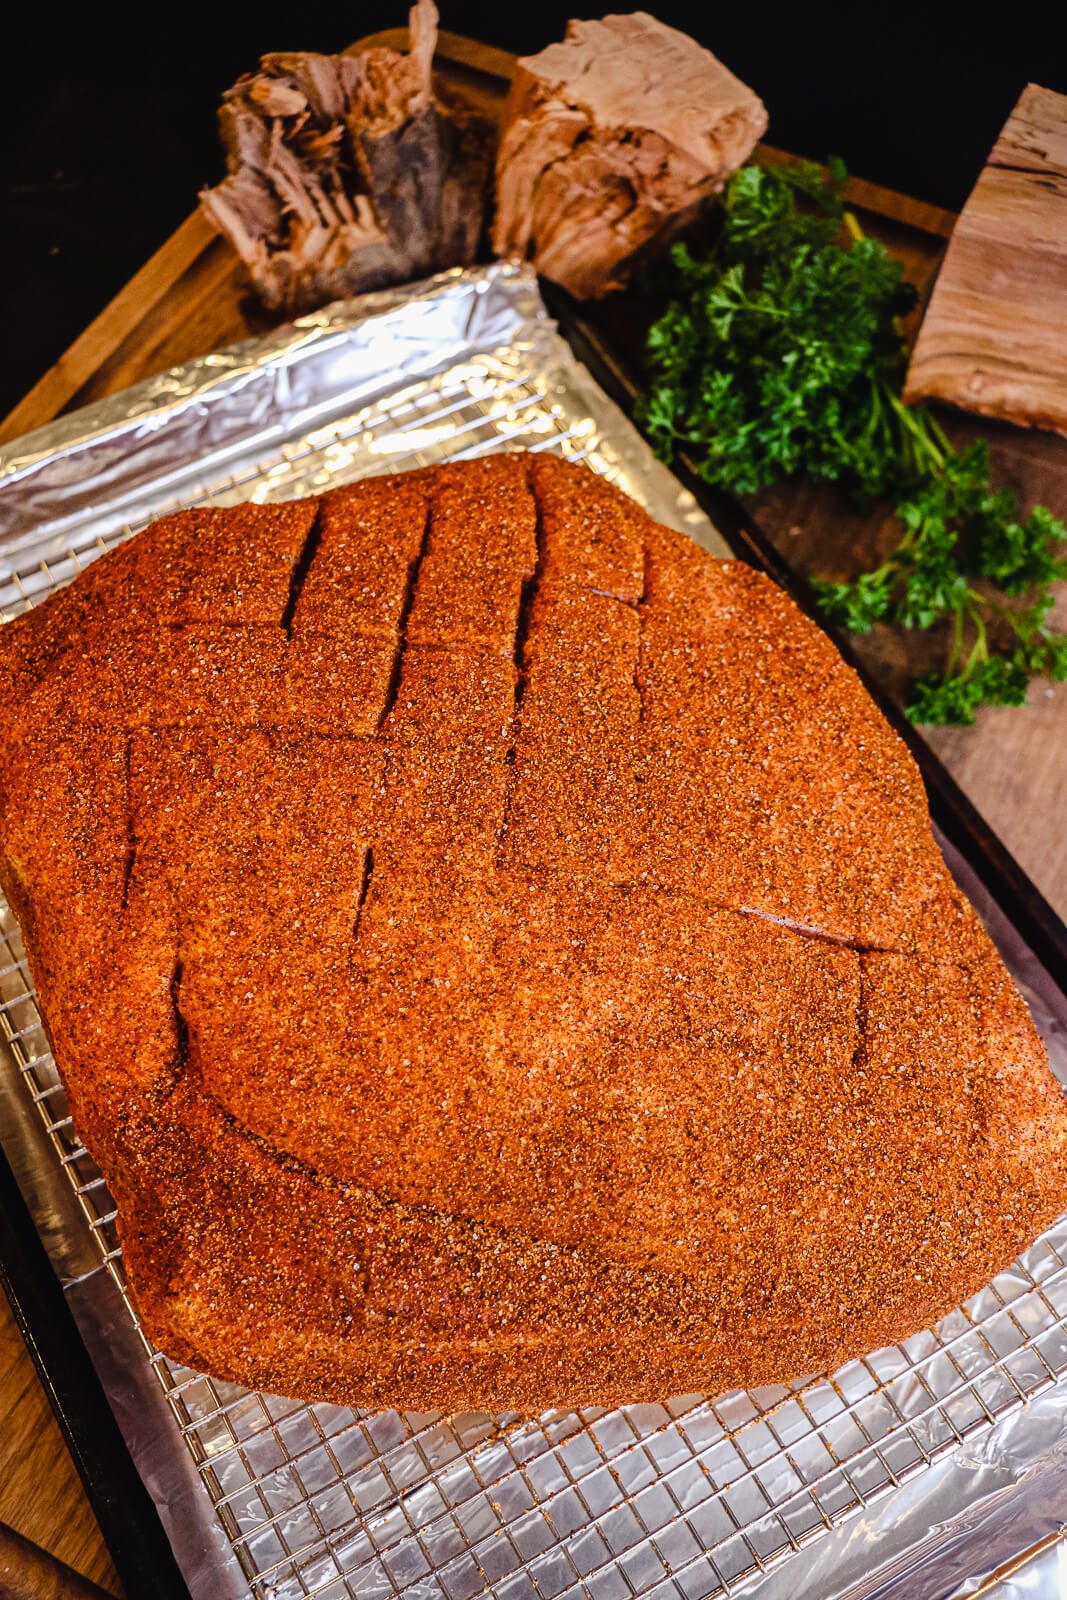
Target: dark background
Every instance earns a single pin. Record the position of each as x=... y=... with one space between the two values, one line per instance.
x=109 y=114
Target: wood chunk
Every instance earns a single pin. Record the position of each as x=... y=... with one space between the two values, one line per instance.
x=994 y=338
x=1034 y=138
x=612 y=142
x=347 y=173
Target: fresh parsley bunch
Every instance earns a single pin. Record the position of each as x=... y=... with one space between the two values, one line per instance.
x=781 y=354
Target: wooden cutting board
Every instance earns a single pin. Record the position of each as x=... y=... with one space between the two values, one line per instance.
x=190 y=298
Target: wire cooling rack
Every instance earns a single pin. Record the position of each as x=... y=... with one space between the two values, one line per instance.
x=690 y=1499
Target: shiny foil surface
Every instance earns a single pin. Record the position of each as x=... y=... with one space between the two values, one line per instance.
x=917 y=1472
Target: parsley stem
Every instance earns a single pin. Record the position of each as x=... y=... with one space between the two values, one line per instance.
x=980 y=650
x=956 y=646
x=918 y=425
x=939 y=434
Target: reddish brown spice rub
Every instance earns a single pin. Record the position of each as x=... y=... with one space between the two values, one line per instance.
x=499 y=958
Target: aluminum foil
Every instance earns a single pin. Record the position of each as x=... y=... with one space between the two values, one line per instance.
x=468 y=362
x=917 y=1472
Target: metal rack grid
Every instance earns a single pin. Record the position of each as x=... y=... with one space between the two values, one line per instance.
x=686 y=1500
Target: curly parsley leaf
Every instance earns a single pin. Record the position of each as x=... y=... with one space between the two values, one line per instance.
x=781 y=354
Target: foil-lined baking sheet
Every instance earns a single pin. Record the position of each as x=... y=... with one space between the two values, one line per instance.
x=916 y=1472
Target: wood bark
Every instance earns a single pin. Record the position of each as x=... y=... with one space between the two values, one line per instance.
x=350 y=172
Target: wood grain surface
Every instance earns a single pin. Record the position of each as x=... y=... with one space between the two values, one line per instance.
x=41 y=1495
x=995 y=337
x=189 y=298
x=29 y=1573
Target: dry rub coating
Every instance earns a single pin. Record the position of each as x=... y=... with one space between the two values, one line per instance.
x=499 y=958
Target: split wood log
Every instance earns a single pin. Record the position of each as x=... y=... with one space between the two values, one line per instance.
x=612 y=142
x=349 y=172
x=994 y=338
